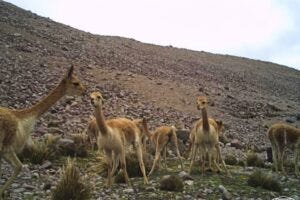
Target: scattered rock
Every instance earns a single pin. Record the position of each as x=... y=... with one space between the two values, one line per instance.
x=225 y=194
x=128 y=190
x=237 y=144
x=291 y=120
x=185 y=176
x=46 y=165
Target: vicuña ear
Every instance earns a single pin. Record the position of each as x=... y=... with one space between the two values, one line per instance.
x=70 y=72
x=220 y=123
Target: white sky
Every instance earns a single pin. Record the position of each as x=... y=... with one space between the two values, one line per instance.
x=261 y=29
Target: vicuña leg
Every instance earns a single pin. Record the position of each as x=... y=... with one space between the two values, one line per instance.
x=158 y=150
x=109 y=169
x=115 y=164
x=280 y=152
x=175 y=142
x=275 y=155
x=221 y=159
x=139 y=153
x=123 y=167
x=13 y=160
x=193 y=155
x=165 y=157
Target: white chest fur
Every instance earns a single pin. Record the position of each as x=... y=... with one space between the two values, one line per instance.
x=25 y=128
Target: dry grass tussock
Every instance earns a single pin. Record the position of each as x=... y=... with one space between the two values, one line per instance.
x=71 y=185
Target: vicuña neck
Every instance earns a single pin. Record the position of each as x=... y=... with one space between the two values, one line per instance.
x=43 y=106
x=149 y=135
x=100 y=120
x=205 y=120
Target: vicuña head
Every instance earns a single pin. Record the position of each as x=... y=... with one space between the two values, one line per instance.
x=96 y=99
x=72 y=84
x=201 y=102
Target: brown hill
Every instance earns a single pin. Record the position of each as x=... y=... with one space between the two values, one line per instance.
x=138 y=79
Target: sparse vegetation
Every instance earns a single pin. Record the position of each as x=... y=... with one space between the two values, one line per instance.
x=49 y=148
x=133 y=167
x=71 y=185
x=171 y=183
x=254 y=160
x=120 y=178
x=231 y=160
x=73 y=150
x=266 y=181
x=38 y=152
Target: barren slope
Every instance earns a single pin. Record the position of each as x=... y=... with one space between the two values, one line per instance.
x=139 y=79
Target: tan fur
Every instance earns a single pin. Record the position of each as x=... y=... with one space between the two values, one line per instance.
x=144 y=134
x=114 y=134
x=160 y=138
x=17 y=125
x=284 y=136
x=205 y=138
x=92 y=132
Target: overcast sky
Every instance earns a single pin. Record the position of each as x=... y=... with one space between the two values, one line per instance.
x=260 y=29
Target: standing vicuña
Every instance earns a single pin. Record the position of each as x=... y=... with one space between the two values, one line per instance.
x=206 y=138
x=17 y=125
x=112 y=138
x=281 y=137
x=160 y=138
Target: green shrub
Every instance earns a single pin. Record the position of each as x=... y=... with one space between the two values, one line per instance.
x=231 y=160
x=254 y=161
x=120 y=178
x=37 y=153
x=266 y=181
x=132 y=164
x=171 y=183
x=71 y=185
x=74 y=150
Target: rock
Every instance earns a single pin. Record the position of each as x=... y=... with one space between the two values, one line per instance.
x=128 y=190
x=273 y=107
x=236 y=144
x=189 y=182
x=225 y=194
x=185 y=176
x=291 y=120
x=65 y=142
x=54 y=123
x=47 y=186
x=55 y=130
x=28 y=187
x=46 y=165
x=295 y=197
x=207 y=191
x=19 y=190
x=150 y=189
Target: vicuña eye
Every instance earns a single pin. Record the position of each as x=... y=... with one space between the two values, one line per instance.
x=75 y=84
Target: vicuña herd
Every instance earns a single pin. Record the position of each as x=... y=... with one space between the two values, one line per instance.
x=113 y=135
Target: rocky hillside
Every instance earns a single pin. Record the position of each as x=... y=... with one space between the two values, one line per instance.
x=138 y=79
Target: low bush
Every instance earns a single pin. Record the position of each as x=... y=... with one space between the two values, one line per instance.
x=171 y=183
x=266 y=181
x=71 y=185
x=253 y=160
